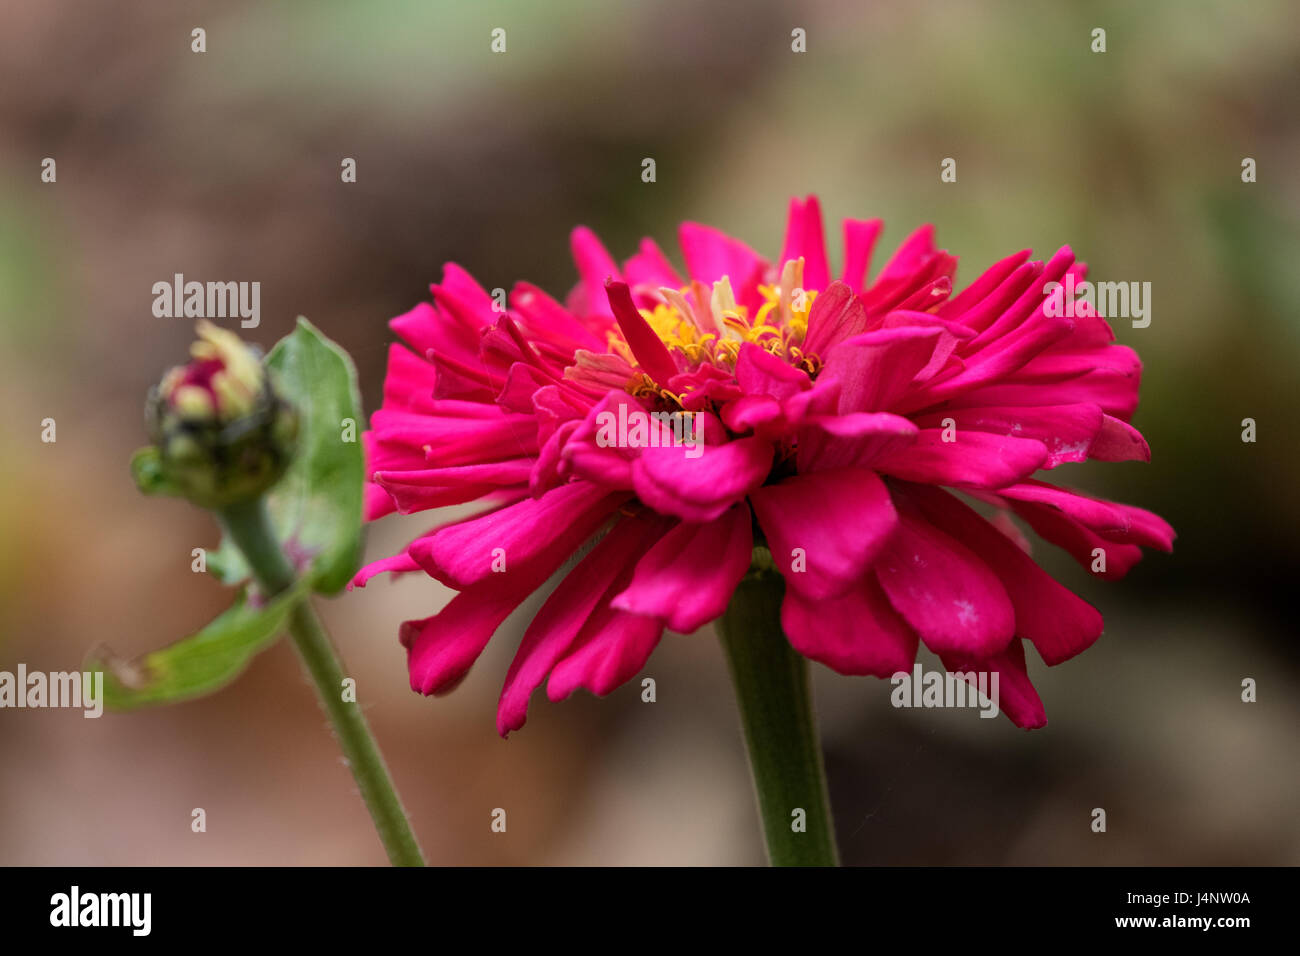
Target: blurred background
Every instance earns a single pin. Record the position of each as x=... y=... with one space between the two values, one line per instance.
x=225 y=166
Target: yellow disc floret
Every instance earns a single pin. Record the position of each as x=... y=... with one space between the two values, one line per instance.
x=708 y=325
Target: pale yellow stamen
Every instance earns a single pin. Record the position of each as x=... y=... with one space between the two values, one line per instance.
x=791 y=285
x=723 y=302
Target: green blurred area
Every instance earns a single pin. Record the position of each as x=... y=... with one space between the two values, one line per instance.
x=225 y=165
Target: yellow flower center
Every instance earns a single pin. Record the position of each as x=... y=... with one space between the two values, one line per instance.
x=779 y=325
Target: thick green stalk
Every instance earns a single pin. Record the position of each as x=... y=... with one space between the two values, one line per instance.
x=775 y=703
x=249 y=527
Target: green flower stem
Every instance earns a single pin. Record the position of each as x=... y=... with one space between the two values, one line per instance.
x=249 y=527
x=775 y=703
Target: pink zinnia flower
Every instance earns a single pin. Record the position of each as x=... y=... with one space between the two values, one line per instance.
x=835 y=413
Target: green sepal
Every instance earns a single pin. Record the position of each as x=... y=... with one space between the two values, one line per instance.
x=147 y=470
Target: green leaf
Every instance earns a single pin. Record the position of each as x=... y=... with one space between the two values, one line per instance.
x=316 y=507
x=199 y=664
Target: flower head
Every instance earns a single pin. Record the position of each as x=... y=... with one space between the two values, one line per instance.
x=221 y=434
x=838 y=418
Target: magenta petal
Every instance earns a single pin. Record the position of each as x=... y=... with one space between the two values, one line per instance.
x=851 y=440
x=832 y=524
x=461 y=294
x=1068 y=431
x=949 y=596
x=1119 y=441
x=1145 y=528
x=546 y=469
x=1102 y=517
x=805 y=237
x=377 y=502
x=523 y=381
x=1030 y=299
x=914 y=252
x=473 y=551
x=611 y=648
x=973 y=460
x=418 y=327
x=756 y=413
x=905 y=318
x=1114 y=391
x=1061 y=364
x=1017 y=697
x=562 y=617
x=1081 y=542
x=857 y=633
x=759 y=372
x=1015 y=292
x=547 y=320
x=397 y=564
x=409 y=381
x=418 y=490
x=997 y=360
x=836 y=314
x=650 y=268
x=711 y=254
x=1081 y=524
x=382 y=454
x=1059 y=623
x=595 y=266
x=703 y=487
x=583 y=454
x=424 y=328
x=875 y=369
x=985 y=286
x=441 y=649
x=688 y=577
x=469 y=381
x=648 y=349
x=455 y=433
x=859 y=241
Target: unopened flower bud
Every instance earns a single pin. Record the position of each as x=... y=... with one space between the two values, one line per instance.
x=221 y=434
